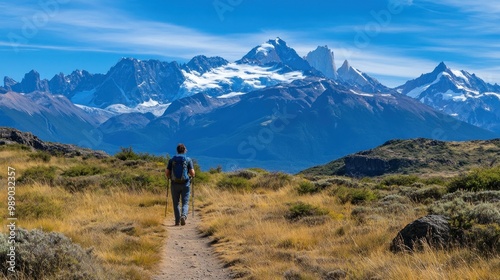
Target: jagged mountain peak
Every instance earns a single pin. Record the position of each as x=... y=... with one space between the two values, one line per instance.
x=459 y=94
x=276 y=51
x=441 y=67
x=359 y=80
x=345 y=65
x=31 y=82
x=202 y=64
x=322 y=59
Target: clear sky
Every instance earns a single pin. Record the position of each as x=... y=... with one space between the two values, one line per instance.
x=392 y=40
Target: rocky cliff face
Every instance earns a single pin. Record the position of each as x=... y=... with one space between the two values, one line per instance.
x=360 y=165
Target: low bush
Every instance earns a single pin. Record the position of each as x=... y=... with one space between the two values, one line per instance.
x=399 y=180
x=82 y=170
x=13 y=147
x=244 y=173
x=474 y=223
x=477 y=180
x=273 y=181
x=41 y=255
x=307 y=187
x=234 y=183
x=41 y=155
x=424 y=194
x=300 y=210
x=40 y=174
x=78 y=184
x=354 y=195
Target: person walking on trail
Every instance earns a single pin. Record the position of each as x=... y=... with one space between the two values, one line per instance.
x=180 y=171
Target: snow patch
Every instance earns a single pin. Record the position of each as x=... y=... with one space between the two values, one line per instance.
x=231 y=94
x=236 y=78
x=361 y=94
x=150 y=106
x=493 y=94
x=414 y=93
x=460 y=74
x=266 y=123
x=265 y=48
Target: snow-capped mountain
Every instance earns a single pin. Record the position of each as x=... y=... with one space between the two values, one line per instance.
x=358 y=80
x=322 y=59
x=202 y=64
x=268 y=109
x=277 y=53
x=459 y=94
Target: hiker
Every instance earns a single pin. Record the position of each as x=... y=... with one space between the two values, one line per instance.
x=180 y=170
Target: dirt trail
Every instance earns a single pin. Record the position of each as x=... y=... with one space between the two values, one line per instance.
x=188 y=255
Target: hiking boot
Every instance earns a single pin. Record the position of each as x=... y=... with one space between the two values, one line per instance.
x=183 y=220
x=176 y=223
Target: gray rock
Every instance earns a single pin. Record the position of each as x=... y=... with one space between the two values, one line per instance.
x=432 y=229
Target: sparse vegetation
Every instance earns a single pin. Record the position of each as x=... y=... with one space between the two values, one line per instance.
x=478 y=180
x=108 y=215
x=103 y=216
x=42 y=255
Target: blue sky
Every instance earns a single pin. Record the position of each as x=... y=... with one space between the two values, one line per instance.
x=392 y=40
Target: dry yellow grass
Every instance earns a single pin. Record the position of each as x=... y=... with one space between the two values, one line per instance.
x=255 y=238
x=253 y=230
x=123 y=227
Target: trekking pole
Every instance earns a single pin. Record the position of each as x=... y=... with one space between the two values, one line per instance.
x=192 y=198
x=168 y=187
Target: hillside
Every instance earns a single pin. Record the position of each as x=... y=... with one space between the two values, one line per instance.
x=420 y=156
x=89 y=217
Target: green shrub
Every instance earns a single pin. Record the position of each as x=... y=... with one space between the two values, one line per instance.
x=485 y=238
x=477 y=180
x=218 y=169
x=129 y=154
x=434 y=181
x=41 y=255
x=234 y=183
x=41 y=155
x=426 y=194
x=300 y=210
x=126 y=154
x=244 y=173
x=40 y=174
x=135 y=181
x=355 y=196
x=474 y=222
x=78 y=184
x=13 y=147
x=307 y=187
x=399 y=180
x=473 y=197
x=273 y=181
x=82 y=170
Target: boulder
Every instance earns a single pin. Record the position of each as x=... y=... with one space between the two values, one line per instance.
x=433 y=230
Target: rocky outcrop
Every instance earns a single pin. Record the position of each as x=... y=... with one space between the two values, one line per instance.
x=433 y=230
x=359 y=165
x=10 y=136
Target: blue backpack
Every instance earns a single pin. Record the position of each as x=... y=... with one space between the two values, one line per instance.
x=179 y=172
